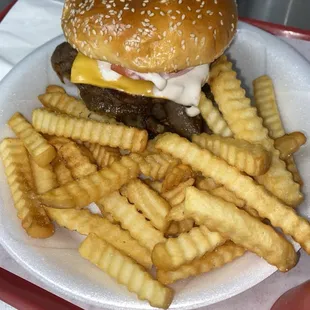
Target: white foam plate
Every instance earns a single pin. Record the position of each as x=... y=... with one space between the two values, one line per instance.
x=56 y=260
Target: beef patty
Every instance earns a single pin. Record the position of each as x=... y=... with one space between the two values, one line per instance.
x=154 y=114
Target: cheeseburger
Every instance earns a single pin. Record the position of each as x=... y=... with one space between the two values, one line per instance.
x=144 y=62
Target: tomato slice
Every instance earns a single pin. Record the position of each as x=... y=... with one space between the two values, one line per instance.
x=297 y=298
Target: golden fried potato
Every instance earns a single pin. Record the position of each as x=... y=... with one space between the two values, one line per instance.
x=268 y=110
x=63 y=174
x=240 y=227
x=84 y=222
x=255 y=196
x=177 y=195
x=133 y=221
x=125 y=271
x=290 y=144
x=59 y=101
x=44 y=177
x=151 y=204
x=177 y=175
x=74 y=159
x=103 y=155
x=175 y=252
x=19 y=176
x=57 y=142
x=55 y=89
x=213 y=117
x=206 y=184
x=177 y=212
x=155 y=185
x=179 y=227
x=227 y=195
x=155 y=166
x=81 y=192
x=266 y=104
x=244 y=122
x=221 y=256
x=220 y=65
x=105 y=214
x=250 y=158
x=86 y=130
x=40 y=150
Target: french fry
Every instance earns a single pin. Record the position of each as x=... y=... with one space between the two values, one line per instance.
x=81 y=192
x=155 y=166
x=40 y=150
x=177 y=213
x=55 y=89
x=267 y=107
x=250 y=158
x=213 y=117
x=103 y=155
x=58 y=142
x=240 y=227
x=63 y=103
x=221 y=256
x=220 y=65
x=177 y=175
x=76 y=161
x=85 y=130
x=266 y=104
x=44 y=177
x=63 y=174
x=227 y=195
x=179 y=227
x=155 y=185
x=290 y=144
x=131 y=220
x=105 y=214
x=84 y=222
x=291 y=166
x=151 y=204
x=206 y=184
x=177 y=194
x=175 y=252
x=255 y=196
x=125 y=271
x=19 y=176
x=245 y=124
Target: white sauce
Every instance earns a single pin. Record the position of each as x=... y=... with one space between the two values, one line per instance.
x=107 y=73
x=184 y=89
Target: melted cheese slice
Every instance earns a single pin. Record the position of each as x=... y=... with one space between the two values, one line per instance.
x=86 y=71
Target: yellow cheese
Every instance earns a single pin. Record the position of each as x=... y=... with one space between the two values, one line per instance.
x=86 y=71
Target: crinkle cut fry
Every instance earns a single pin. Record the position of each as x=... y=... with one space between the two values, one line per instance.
x=240 y=227
x=86 y=130
x=58 y=101
x=39 y=149
x=125 y=271
x=186 y=247
x=84 y=222
x=267 y=107
x=255 y=196
x=221 y=256
x=150 y=203
x=19 y=176
x=131 y=220
x=80 y=193
x=250 y=158
x=213 y=117
x=245 y=124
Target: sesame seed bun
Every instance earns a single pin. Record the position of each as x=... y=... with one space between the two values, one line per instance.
x=151 y=35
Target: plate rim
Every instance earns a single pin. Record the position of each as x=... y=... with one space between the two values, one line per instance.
x=64 y=290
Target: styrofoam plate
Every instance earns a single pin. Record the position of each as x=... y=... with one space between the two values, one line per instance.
x=56 y=260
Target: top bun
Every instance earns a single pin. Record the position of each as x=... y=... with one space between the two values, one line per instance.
x=151 y=35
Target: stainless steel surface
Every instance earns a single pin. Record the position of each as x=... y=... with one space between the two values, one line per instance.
x=287 y=12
